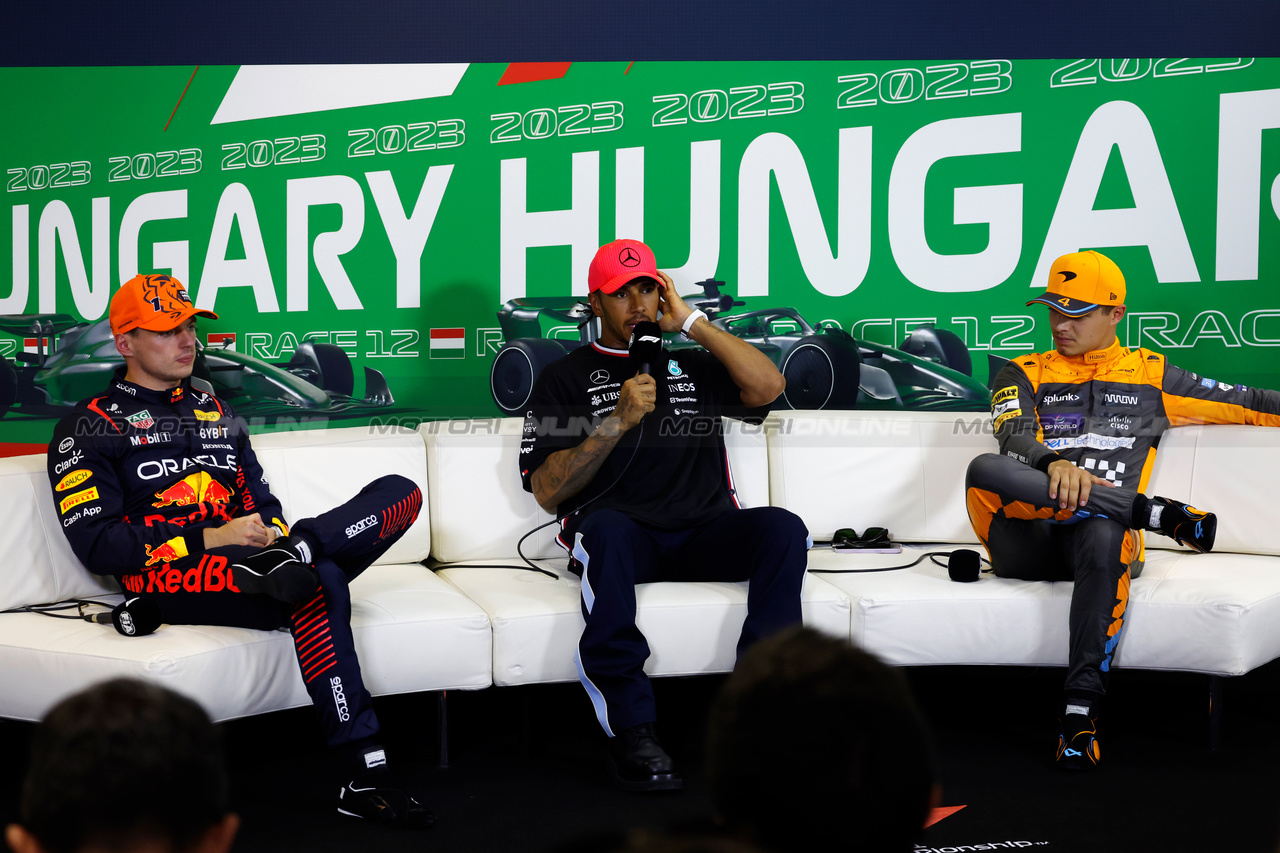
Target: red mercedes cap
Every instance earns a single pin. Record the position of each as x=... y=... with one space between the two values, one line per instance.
x=618 y=263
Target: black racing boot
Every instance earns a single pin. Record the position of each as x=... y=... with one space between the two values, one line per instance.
x=372 y=795
x=1078 y=747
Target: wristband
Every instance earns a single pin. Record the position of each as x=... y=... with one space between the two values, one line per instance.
x=689 y=321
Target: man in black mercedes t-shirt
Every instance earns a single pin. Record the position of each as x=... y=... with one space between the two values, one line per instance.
x=635 y=467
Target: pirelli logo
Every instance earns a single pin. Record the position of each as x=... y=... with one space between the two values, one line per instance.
x=1009 y=392
x=73 y=479
x=70 y=501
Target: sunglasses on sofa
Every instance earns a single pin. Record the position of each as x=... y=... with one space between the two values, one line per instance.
x=874 y=537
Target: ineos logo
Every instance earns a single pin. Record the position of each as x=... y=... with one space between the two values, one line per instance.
x=629 y=257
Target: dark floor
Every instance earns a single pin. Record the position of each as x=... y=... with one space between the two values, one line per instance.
x=526 y=768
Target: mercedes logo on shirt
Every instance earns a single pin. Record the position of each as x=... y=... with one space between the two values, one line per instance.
x=599 y=377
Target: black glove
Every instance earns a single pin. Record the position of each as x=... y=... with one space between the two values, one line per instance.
x=281 y=570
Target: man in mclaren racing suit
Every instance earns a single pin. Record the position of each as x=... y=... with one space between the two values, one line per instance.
x=157 y=484
x=634 y=465
x=1064 y=499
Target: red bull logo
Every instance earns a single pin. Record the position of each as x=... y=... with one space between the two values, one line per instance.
x=167 y=552
x=193 y=489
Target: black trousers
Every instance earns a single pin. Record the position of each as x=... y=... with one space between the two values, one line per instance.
x=766 y=546
x=1028 y=537
x=346 y=540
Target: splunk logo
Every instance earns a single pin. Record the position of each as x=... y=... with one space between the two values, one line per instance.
x=339 y=699
x=1060 y=398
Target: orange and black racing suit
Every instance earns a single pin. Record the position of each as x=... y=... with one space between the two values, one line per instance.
x=1104 y=412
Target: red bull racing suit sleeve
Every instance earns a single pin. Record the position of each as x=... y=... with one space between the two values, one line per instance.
x=138 y=475
x=88 y=494
x=253 y=490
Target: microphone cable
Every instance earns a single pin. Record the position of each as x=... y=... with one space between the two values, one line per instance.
x=931 y=555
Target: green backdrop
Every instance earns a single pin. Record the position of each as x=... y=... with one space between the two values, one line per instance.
x=367 y=206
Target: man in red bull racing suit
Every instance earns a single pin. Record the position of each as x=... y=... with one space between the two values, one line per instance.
x=1064 y=499
x=157 y=484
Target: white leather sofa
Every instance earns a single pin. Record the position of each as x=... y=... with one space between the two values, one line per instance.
x=1217 y=614
x=476 y=617
x=413 y=631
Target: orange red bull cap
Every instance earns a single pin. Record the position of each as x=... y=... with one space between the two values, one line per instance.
x=157 y=303
x=1081 y=281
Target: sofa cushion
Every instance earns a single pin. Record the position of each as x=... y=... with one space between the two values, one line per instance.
x=901 y=470
x=1229 y=470
x=1210 y=613
x=39 y=567
x=479 y=510
x=412 y=632
x=691 y=627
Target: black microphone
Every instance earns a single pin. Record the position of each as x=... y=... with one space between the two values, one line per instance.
x=646 y=345
x=963 y=565
x=133 y=617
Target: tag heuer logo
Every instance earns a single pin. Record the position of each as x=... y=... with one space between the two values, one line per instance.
x=142 y=420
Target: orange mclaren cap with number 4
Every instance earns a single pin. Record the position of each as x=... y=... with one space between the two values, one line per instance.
x=1081 y=281
x=156 y=303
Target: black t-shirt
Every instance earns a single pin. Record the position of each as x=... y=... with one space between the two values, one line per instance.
x=678 y=475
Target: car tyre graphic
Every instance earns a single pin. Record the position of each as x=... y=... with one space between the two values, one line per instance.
x=8 y=385
x=516 y=367
x=329 y=365
x=822 y=372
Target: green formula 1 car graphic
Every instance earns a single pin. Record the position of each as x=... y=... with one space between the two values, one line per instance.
x=317 y=381
x=825 y=368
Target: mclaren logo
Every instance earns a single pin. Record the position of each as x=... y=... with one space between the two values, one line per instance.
x=1067 y=275
x=629 y=257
